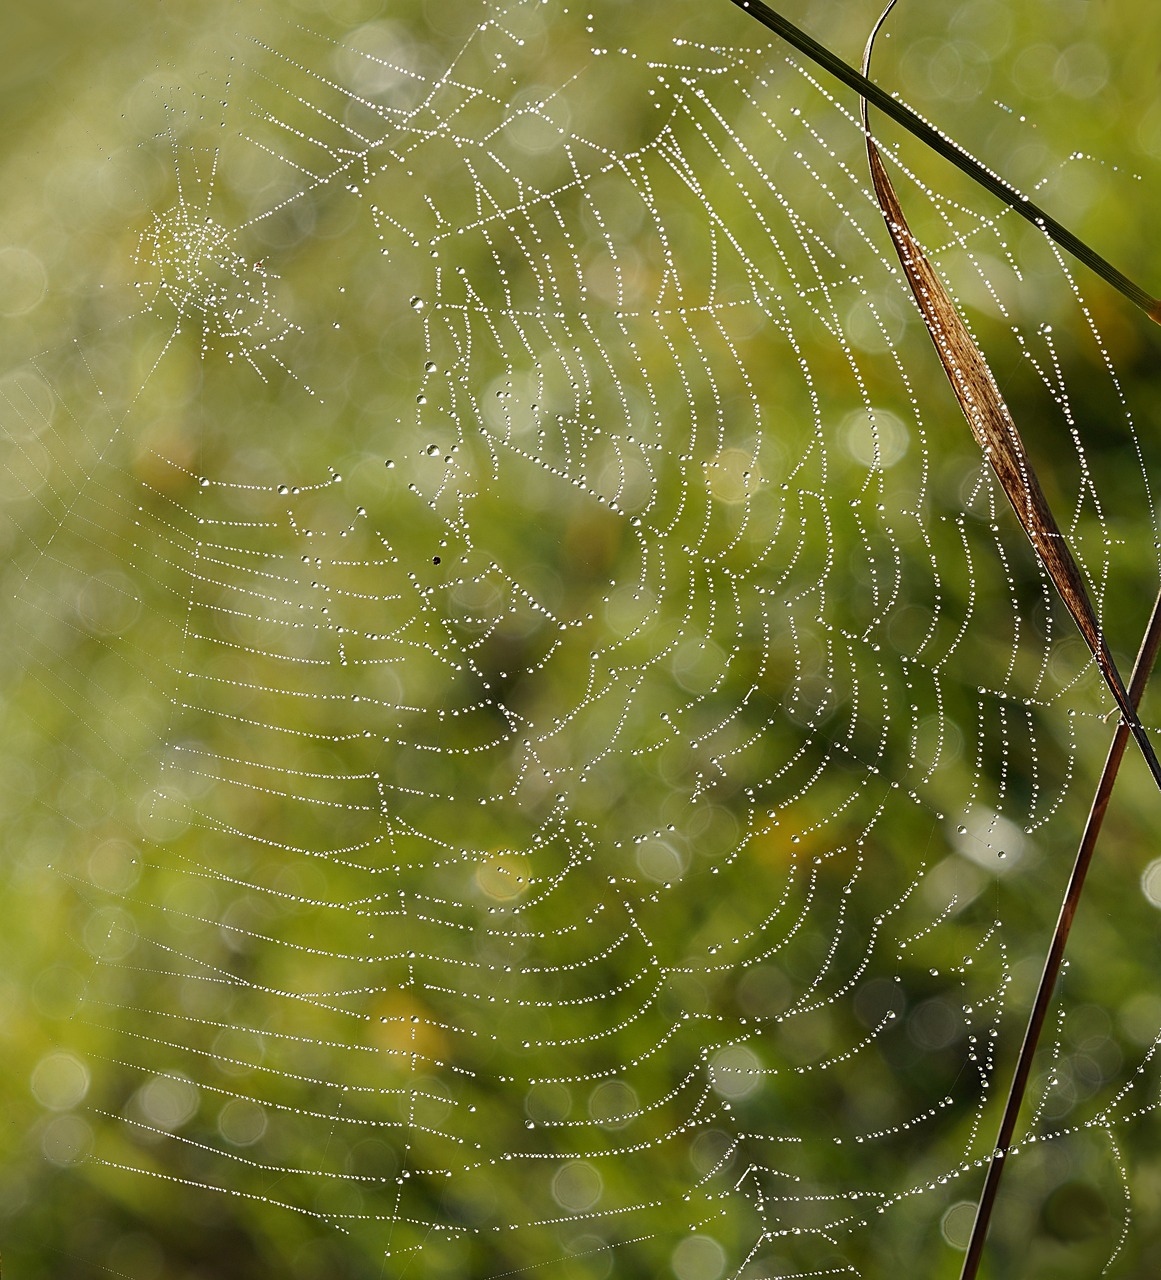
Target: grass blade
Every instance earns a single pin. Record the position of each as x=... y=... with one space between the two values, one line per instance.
x=995 y=431
x=944 y=146
x=1142 y=669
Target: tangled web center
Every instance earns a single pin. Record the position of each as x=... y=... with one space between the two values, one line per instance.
x=187 y=263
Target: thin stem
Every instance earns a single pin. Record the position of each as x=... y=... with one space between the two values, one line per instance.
x=1142 y=669
x=942 y=144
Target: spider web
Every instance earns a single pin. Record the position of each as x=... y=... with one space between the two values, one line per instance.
x=553 y=725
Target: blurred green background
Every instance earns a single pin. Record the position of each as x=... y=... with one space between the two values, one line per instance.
x=573 y=846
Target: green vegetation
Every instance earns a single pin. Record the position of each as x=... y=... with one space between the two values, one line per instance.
x=574 y=845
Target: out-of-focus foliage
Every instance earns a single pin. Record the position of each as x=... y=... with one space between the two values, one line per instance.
x=149 y=825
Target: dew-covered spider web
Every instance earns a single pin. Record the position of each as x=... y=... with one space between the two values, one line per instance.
x=538 y=745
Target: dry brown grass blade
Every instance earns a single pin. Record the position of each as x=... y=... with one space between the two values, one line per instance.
x=995 y=431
